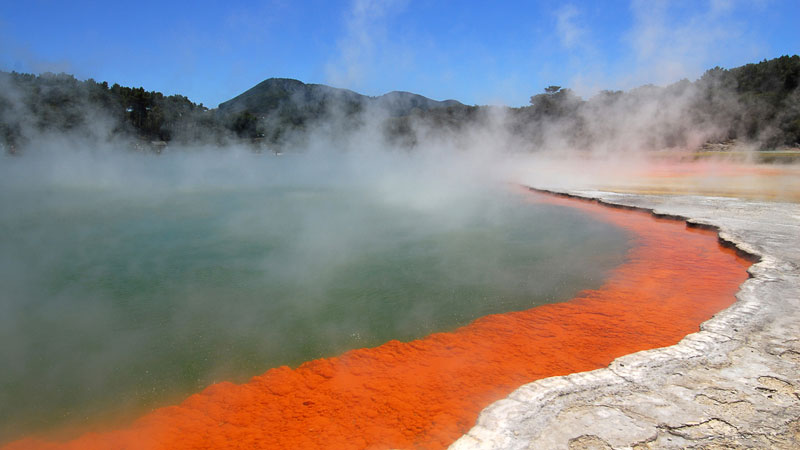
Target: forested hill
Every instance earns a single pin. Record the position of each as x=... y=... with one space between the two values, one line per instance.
x=280 y=106
x=287 y=96
x=769 y=95
x=757 y=103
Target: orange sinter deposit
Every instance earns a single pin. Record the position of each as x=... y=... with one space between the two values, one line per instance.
x=426 y=393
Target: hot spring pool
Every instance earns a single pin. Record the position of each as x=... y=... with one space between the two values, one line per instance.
x=119 y=296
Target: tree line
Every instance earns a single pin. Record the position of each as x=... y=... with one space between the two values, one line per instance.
x=755 y=103
x=758 y=103
x=60 y=103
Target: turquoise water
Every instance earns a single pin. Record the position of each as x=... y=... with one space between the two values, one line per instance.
x=119 y=297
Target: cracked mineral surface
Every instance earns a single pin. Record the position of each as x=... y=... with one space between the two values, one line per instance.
x=733 y=384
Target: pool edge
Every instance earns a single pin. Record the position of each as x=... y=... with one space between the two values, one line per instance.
x=734 y=382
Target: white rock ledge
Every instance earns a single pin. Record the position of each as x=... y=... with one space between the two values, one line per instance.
x=734 y=384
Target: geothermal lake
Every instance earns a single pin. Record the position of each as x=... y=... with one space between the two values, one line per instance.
x=131 y=283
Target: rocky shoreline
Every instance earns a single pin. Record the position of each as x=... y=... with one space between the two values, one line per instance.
x=733 y=384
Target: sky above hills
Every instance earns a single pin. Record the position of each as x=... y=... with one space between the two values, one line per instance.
x=477 y=52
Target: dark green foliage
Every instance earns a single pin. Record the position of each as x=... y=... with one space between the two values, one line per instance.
x=30 y=105
x=769 y=91
x=245 y=124
x=756 y=102
x=403 y=130
x=555 y=102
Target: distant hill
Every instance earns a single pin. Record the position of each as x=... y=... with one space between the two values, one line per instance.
x=402 y=103
x=286 y=96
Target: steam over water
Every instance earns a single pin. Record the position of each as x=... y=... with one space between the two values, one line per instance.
x=130 y=282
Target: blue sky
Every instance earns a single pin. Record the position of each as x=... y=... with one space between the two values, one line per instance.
x=477 y=52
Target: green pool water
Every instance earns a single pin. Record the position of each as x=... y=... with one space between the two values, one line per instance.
x=122 y=296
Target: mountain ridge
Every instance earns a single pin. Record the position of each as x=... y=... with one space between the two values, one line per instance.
x=279 y=94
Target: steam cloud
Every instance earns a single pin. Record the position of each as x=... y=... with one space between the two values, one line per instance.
x=86 y=197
